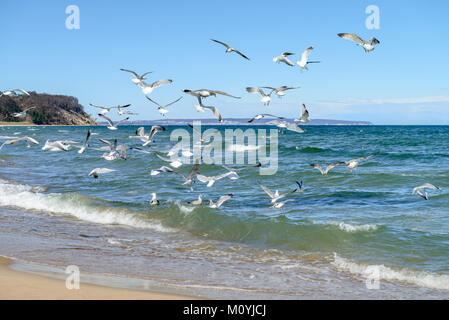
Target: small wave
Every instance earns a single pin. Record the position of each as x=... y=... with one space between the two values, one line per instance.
x=419 y=278
x=347 y=227
x=22 y=196
x=310 y=149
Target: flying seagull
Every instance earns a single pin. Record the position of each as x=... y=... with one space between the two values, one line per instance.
x=265 y=97
x=13 y=92
x=304 y=115
x=146 y=138
x=205 y=93
x=22 y=114
x=189 y=178
x=229 y=49
x=154 y=201
x=162 y=109
x=85 y=145
x=211 y=180
x=97 y=171
x=280 y=90
x=112 y=126
x=121 y=111
x=104 y=110
x=280 y=204
x=354 y=163
x=28 y=140
x=328 y=168
x=138 y=78
x=257 y=165
x=148 y=88
x=287 y=125
x=304 y=59
x=421 y=190
x=113 y=153
x=173 y=163
x=368 y=46
x=262 y=115
x=283 y=58
x=274 y=196
x=56 y=146
x=161 y=170
x=220 y=201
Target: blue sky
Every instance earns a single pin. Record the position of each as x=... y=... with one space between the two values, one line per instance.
x=405 y=80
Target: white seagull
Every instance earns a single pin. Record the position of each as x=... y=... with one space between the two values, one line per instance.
x=266 y=98
x=205 y=93
x=121 y=111
x=286 y=125
x=28 y=140
x=86 y=143
x=174 y=163
x=280 y=90
x=368 y=46
x=354 y=163
x=148 y=88
x=22 y=114
x=304 y=59
x=56 y=146
x=229 y=49
x=220 y=201
x=146 y=138
x=137 y=78
x=112 y=126
x=280 y=204
x=97 y=171
x=262 y=115
x=274 y=196
x=304 y=115
x=329 y=167
x=162 y=109
x=283 y=58
x=421 y=190
x=196 y=202
x=211 y=180
x=104 y=110
x=13 y=92
x=154 y=201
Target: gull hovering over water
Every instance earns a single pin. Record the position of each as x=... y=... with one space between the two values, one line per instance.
x=266 y=98
x=154 y=201
x=283 y=58
x=354 y=163
x=148 y=88
x=137 y=78
x=56 y=146
x=174 y=163
x=220 y=201
x=22 y=114
x=280 y=90
x=113 y=153
x=162 y=109
x=257 y=165
x=368 y=45
x=112 y=126
x=262 y=115
x=211 y=180
x=13 y=92
x=162 y=169
x=421 y=190
x=104 y=110
x=274 y=196
x=28 y=140
x=328 y=168
x=287 y=125
x=280 y=204
x=304 y=59
x=85 y=145
x=146 y=138
x=304 y=115
x=97 y=171
x=229 y=49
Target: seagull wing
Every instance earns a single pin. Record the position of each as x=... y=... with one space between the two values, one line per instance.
x=333 y=165
x=155 y=129
x=173 y=102
x=130 y=71
x=268 y=191
x=160 y=83
x=222 y=199
x=241 y=54
x=293 y=127
x=363 y=158
x=154 y=102
x=123 y=120
x=215 y=112
x=352 y=37
x=222 y=43
x=107 y=119
x=226 y=94
x=305 y=54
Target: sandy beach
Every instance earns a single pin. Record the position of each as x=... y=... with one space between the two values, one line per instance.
x=16 y=285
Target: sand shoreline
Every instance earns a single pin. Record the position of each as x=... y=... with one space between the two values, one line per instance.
x=17 y=285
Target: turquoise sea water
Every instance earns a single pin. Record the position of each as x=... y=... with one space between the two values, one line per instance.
x=324 y=244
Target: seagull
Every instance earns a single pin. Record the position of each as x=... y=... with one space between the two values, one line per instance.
x=137 y=78
x=303 y=62
x=121 y=110
x=85 y=145
x=201 y=107
x=22 y=114
x=196 y=202
x=265 y=97
x=283 y=58
x=97 y=171
x=161 y=170
x=354 y=163
x=28 y=140
x=262 y=115
x=174 y=163
x=280 y=204
x=421 y=190
x=205 y=93
x=280 y=90
x=274 y=196
x=211 y=180
x=368 y=46
x=287 y=125
x=112 y=126
x=220 y=201
x=154 y=201
x=328 y=168
x=148 y=88
x=147 y=138
x=104 y=110
x=257 y=165
x=113 y=153
x=299 y=189
x=56 y=146
x=229 y=49
x=304 y=115
x=13 y=92
x=162 y=109
x=189 y=178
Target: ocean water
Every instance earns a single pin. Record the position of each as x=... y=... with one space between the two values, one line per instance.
x=347 y=234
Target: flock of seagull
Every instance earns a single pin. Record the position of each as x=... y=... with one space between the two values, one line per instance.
x=114 y=151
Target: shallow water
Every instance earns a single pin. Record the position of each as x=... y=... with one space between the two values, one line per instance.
x=322 y=245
